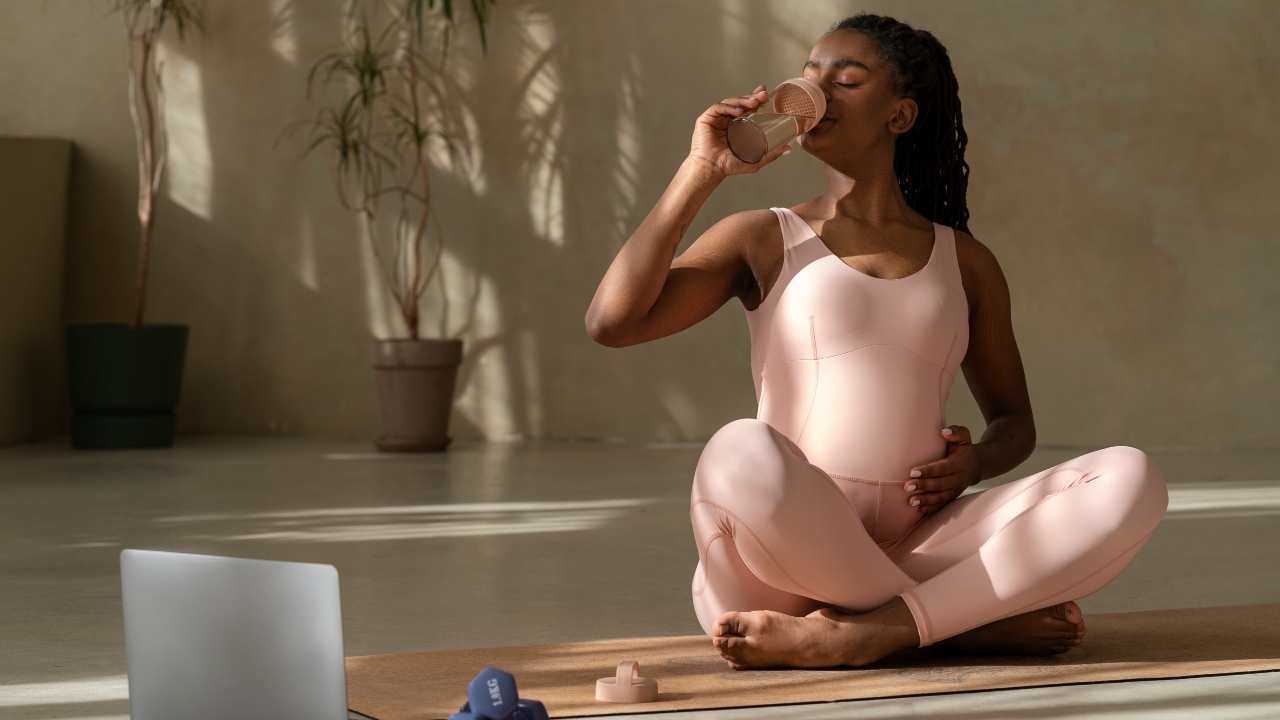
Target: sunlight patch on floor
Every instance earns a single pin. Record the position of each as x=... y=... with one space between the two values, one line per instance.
x=416 y=522
x=98 y=689
x=1223 y=499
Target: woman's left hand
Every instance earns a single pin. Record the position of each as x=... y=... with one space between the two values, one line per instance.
x=938 y=483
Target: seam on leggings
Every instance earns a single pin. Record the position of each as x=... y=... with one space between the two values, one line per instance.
x=851 y=478
x=923 y=627
x=1006 y=526
x=889 y=543
x=994 y=510
x=813 y=392
x=714 y=536
x=942 y=373
x=875 y=523
x=743 y=525
x=1083 y=580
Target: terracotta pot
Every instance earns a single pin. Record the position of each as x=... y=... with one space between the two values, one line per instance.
x=415 y=389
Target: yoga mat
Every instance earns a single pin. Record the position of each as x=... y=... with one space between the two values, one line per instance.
x=691 y=676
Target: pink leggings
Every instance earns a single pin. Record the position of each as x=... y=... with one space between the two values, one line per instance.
x=776 y=533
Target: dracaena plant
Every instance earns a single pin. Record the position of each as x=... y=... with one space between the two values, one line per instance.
x=144 y=21
x=385 y=106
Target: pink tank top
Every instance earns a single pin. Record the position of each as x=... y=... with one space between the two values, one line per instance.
x=856 y=370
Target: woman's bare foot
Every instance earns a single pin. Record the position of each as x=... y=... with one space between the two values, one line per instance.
x=1050 y=631
x=824 y=638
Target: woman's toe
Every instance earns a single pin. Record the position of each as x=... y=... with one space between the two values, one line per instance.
x=732 y=648
x=728 y=624
x=1074 y=614
x=1057 y=625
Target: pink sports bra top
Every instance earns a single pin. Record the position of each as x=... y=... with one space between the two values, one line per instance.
x=856 y=370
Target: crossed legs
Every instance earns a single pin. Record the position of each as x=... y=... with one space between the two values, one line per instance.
x=788 y=575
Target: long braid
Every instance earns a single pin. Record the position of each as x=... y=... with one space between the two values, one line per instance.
x=929 y=158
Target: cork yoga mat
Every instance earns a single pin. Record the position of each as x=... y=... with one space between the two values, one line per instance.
x=691 y=676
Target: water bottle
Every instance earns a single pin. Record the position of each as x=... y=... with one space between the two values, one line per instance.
x=798 y=104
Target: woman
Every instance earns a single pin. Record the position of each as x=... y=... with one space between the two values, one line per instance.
x=831 y=530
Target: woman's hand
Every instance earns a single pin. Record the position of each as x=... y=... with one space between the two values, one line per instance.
x=710 y=143
x=938 y=483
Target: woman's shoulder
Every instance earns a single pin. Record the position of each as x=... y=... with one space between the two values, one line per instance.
x=967 y=246
x=753 y=238
x=755 y=223
x=974 y=255
x=754 y=233
x=979 y=269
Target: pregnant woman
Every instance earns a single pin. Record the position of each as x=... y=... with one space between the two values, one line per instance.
x=831 y=529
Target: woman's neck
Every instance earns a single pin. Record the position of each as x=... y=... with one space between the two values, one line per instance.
x=872 y=197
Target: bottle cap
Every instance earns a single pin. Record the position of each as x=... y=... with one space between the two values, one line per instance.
x=628 y=686
x=802 y=98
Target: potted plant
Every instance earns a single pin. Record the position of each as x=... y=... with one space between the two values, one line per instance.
x=386 y=109
x=124 y=379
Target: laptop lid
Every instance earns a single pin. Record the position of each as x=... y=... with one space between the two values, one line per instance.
x=215 y=638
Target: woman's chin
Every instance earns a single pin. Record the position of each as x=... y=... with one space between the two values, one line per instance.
x=818 y=147
x=817 y=139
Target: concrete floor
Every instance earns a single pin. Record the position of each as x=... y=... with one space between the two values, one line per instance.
x=546 y=547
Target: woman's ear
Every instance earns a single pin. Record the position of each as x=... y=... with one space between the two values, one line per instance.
x=905 y=111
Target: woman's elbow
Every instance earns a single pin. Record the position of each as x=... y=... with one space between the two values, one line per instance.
x=605 y=331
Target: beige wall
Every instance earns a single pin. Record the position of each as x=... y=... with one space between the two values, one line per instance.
x=33 y=210
x=1124 y=162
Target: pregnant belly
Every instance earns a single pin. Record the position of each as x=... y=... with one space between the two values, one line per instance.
x=866 y=418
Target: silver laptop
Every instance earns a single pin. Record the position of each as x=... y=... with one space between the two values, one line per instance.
x=216 y=638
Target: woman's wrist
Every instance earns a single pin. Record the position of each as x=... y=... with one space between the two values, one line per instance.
x=692 y=184
x=700 y=171
x=980 y=459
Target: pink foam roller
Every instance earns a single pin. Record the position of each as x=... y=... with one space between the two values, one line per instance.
x=628 y=686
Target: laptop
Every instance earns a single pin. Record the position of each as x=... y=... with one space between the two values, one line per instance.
x=218 y=638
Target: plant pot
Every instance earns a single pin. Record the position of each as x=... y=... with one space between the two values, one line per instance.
x=124 y=384
x=415 y=389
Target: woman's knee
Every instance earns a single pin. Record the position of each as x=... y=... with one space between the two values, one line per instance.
x=1141 y=479
x=740 y=457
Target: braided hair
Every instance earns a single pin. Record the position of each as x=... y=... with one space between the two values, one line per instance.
x=928 y=158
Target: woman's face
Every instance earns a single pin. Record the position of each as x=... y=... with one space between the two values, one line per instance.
x=864 y=114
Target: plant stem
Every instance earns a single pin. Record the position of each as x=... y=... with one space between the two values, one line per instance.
x=145 y=79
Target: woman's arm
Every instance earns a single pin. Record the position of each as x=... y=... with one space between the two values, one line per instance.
x=647 y=293
x=993 y=369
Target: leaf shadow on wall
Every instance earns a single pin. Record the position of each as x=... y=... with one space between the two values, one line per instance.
x=582 y=122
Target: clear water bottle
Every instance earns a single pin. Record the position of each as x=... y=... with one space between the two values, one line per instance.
x=798 y=104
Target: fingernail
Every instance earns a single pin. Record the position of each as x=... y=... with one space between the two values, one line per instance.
x=947 y=431
x=787 y=151
x=915 y=473
x=915 y=501
x=911 y=487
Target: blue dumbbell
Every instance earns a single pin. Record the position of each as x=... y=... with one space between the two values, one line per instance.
x=530 y=710
x=492 y=695
x=525 y=710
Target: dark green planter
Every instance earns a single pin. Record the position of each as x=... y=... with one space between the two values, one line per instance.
x=124 y=384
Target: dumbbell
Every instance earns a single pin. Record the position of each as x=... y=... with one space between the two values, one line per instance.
x=492 y=696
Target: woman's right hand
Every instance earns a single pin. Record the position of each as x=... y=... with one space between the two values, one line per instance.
x=710 y=143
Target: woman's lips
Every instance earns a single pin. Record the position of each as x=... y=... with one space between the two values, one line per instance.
x=822 y=123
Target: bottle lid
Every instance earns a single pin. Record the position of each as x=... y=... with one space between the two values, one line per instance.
x=628 y=686
x=800 y=97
